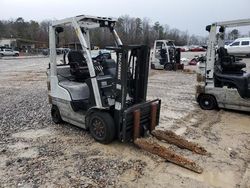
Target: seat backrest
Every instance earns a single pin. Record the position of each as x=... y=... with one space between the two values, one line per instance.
x=78 y=65
x=77 y=56
x=163 y=53
x=222 y=52
x=224 y=56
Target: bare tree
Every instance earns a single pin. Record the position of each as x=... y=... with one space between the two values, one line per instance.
x=131 y=30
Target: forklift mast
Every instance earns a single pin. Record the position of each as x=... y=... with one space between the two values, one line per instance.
x=131 y=90
x=131 y=75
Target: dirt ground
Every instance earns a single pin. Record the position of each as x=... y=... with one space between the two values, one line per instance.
x=35 y=152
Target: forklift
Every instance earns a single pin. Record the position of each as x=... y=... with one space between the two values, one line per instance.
x=166 y=56
x=105 y=96
x=222 y=79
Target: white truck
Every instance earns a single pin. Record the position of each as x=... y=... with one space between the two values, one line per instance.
x=8 y=52
x=240 y=46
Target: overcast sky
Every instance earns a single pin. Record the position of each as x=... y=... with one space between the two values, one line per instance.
x=190 y=15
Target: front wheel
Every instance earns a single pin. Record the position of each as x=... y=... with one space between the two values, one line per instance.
x=168 y=67
x=1 y=55
x=16 y=55
x=152 y=66
x=207 y=102
x=102 y=127
x=55 y=114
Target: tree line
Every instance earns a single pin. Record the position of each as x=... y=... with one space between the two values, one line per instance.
x=30 y=30
x=131 y=30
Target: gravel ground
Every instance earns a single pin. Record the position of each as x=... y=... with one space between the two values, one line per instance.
x=35 y=152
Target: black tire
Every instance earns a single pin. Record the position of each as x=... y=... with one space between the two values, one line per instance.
x=168 y=67
x=55 y=114
x=102 y=127
x=1 y=55
x=152 y=66
x=16 y=55
x=207 y=102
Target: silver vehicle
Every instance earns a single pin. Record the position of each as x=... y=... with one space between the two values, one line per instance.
x=222 y=80
x=8 y=52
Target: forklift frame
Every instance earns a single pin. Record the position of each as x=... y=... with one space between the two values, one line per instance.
x=223 y=97
x=128 y=88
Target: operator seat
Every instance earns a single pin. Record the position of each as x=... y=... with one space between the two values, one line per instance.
x=77 y=88
x=240 y=82
x=231 y=74
x=163 y=56
x=78 y=65
x=228 y=62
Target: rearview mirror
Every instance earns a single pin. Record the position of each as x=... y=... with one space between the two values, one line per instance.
x=208 y=28
x=222 y=29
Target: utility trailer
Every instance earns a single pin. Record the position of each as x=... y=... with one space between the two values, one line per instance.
x=222 y=80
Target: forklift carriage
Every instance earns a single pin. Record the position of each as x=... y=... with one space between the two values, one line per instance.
x=107 y=97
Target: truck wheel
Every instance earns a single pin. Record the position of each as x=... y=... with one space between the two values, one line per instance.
x=207 y=102
x=168 y=67
x=55 y=114
x=102 y=127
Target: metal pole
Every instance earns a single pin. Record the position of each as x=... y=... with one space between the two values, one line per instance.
x=52 y=46
x=85 y=48
x=211 y=53
x=137 y=115
x=117 y=38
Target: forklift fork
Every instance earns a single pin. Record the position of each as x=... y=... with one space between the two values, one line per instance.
x=168 y=136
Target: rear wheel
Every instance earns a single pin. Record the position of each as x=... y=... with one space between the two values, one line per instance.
x=168 y=67
x=102 y=127
x=55 y=114
x=207 y=102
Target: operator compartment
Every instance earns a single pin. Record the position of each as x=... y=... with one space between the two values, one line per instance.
x=75 y=78
x=228 y=72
